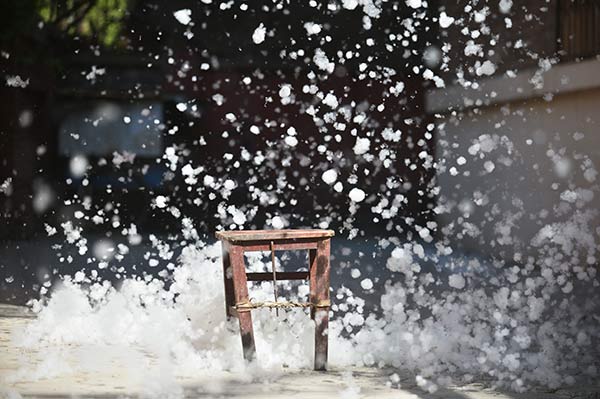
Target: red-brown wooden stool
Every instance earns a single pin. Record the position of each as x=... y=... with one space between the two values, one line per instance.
x=237 y=302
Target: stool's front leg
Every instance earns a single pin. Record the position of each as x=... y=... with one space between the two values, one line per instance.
x=319 y=279
x=240 y=285
x=227 y=278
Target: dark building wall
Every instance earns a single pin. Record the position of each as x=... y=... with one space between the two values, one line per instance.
x=532 y=35
x=142 y=71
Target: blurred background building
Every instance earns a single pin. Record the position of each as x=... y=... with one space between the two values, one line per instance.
x=542 y=95
x=101 y=97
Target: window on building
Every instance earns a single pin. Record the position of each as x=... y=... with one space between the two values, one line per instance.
x=102 y=127
x=579 y=28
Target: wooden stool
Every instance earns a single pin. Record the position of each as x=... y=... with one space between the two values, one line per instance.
x=237 y=302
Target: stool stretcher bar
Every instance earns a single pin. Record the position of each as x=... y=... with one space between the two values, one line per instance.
x=280 y=276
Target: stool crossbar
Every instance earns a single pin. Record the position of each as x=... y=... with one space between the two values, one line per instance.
x=235 y=277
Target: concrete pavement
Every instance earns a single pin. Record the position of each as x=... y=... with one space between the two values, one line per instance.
x=28 y=373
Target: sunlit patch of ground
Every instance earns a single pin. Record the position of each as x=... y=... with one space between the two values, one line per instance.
x=115 y=372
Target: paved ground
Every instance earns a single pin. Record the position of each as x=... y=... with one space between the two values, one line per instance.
x=121 y=381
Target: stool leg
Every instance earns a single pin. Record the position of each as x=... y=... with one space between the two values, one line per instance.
x=227 y=279
x=321 y=338
x=321 y=293
x=240 y=285
x=312 y=274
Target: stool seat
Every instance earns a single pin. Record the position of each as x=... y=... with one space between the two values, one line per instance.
x=270 y=235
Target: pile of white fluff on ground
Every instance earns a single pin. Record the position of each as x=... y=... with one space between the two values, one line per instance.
x=183 y=327
x=525 y=325
x=516 y=324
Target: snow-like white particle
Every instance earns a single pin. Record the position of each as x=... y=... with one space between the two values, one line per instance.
x=362 y=145
x=349 y=4
x=472 y=48
x=218 y=98
x=161 y=201
x=291 y=141
x=229 y=184
x=391 y=135
x=259 y=34
x=489 y=166
x=505 y=6
x=445 y=20
x=366 y=284
x=331 y=100
x=183 y=16
x=312 y=28
x=239 y=217
x=78 y=165
x=425 y=234
x=568 y=287
x=16 y=81
x=50 y=230
x=104 y=249
x=121 y=158
x=277 y=222
x=329 y=176
x=6 y=185
x=322 y=62
x=285 y=91
x=487 y=68
x=569 y=196
x=397 y=88
x=357 y=195
x=400 y=261
x=456 y=281
x=208 y=180
x=79 y=277
x=414 y=3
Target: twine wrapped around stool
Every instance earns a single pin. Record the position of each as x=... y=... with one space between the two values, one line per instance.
x=249 y=305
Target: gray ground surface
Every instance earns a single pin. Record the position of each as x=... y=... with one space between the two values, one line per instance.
x=118 y=381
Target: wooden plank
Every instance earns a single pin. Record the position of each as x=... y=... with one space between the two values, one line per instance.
x=272 y=235
x=227 y=278
x=281 y=245
x=280 y=276
x=240 y=285
x=321 y=293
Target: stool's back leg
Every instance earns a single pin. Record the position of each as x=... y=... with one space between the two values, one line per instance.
x=321 y=291
x=227 y=279
x=240 y=285
x=312 y=273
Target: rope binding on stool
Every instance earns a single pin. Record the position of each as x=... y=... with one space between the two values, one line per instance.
x=247 y=306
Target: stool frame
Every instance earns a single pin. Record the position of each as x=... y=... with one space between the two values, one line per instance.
x=237 y=302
